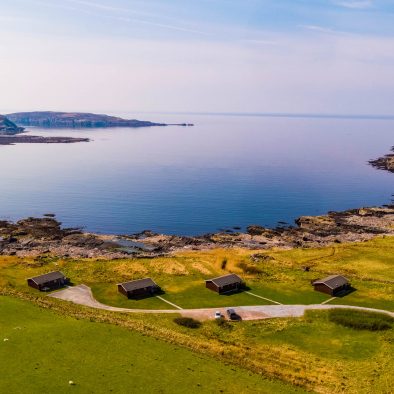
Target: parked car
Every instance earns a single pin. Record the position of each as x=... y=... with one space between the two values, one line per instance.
x=218 y=315
x=231 y=314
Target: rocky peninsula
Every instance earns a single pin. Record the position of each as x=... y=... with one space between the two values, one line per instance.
x=34 y=139
x=80 y=120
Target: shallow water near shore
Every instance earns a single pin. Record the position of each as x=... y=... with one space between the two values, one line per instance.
x=226 y=171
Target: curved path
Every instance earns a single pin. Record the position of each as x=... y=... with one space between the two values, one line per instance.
x=82 y=295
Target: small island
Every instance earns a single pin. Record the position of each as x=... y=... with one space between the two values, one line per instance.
x=78 y=120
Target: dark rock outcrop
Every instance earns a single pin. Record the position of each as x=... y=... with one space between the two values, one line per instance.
x=384 y=163
x=40 y=236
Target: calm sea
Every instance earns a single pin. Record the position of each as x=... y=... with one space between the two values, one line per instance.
x=225 y=171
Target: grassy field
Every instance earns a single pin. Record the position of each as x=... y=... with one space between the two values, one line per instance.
x=44 y=351
x=313 y=352
x=278 y=276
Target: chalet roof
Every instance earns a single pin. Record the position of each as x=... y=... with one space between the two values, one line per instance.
x=332 y=281
x=50 y=276
x=137 y=284
x=225 y=280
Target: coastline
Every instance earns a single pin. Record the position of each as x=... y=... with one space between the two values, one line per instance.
x=45 y=236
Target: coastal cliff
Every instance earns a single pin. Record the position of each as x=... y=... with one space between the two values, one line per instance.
x=49 y=119
x=7 y=127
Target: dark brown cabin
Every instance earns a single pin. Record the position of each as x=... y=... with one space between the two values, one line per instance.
x=138 y=288
x=225 y=284
x=332 y=285
x=50 y=281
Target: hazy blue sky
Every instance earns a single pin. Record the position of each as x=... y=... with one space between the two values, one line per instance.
x=325 y=56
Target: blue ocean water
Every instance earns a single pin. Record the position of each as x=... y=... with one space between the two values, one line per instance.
x=225 y=171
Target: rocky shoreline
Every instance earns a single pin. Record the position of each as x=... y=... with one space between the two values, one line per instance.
x=34 y=139
x=43 y=236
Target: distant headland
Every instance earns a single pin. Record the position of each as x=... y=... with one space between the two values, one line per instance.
x=12 y=124
x=78 y=120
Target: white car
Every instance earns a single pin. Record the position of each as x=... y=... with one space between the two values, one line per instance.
x=218 y=315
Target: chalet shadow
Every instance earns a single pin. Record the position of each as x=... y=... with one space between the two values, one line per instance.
x=139 y=288
x=225 y=284
x=332 y=285
x=50 y=281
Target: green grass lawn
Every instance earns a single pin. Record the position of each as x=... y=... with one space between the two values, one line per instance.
x=50 y=348
x=45 y=351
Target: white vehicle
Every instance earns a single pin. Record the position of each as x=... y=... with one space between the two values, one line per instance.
x=218 y=315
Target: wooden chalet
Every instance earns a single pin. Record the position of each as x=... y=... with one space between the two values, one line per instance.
x=50 y=281
x=138 y=288
x=332 y=285
x=225 y=284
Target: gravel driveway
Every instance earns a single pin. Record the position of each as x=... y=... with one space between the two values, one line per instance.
x=82 y=295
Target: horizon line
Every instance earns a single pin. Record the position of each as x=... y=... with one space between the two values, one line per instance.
x=277 y=114
x=255 y=114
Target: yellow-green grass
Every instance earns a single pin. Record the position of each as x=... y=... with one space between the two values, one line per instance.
x=43 y=351
x=280 y=277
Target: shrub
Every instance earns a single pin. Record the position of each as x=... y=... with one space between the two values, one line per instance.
x=188 y=322
x=249 y=269
x=224 y=324
x=224 y=264
x=361 y=320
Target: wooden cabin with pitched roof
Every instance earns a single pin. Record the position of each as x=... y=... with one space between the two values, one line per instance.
x=50 y=281
x=225 y=284
x=332 y=285
x=138 y=288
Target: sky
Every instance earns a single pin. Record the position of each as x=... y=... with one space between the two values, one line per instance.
x=291 y=56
